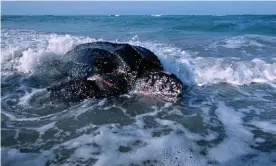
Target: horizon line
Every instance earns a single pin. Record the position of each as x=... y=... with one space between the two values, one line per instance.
x=138 y=14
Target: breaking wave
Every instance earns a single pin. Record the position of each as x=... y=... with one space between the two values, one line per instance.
x=35 y=49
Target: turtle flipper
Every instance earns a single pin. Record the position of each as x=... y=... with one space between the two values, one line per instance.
x=80 y=89
x=73 y=90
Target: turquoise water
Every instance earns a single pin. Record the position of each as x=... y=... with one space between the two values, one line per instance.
x=226 y=116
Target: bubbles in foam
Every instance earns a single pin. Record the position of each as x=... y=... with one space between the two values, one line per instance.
x=165 y=150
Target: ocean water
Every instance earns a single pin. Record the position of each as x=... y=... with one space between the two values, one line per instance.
x=227 y=116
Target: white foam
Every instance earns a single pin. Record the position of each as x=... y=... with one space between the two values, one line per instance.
x=103 y=143
x=243 y=41
x=60 y=44
x=32 y=49
x=167 y=150
x=13 y=157
x=24 y=100
x=14 y=118
x=258 y=160
x=237 y=139
x=235 y=72
x=259 y=140
x=46 y=127
x=9 y=55
x=238 y=42
x=156 y=15
x=265 y=126
x=207 y=71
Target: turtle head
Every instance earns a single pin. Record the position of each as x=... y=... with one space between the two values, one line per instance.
x=161 y=84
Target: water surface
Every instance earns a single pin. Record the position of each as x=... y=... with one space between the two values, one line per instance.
x=226 y=117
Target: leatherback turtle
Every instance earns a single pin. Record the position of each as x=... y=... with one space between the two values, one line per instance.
x=103 y=69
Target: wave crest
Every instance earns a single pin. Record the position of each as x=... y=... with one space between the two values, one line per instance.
x=234 y=71
x=28 y=55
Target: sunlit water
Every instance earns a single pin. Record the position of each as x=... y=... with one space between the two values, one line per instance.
x=227 y=115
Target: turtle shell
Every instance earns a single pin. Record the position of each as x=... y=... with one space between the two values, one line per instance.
x=106 y=57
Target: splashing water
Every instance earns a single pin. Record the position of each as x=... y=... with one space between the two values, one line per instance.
x=225 y=117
